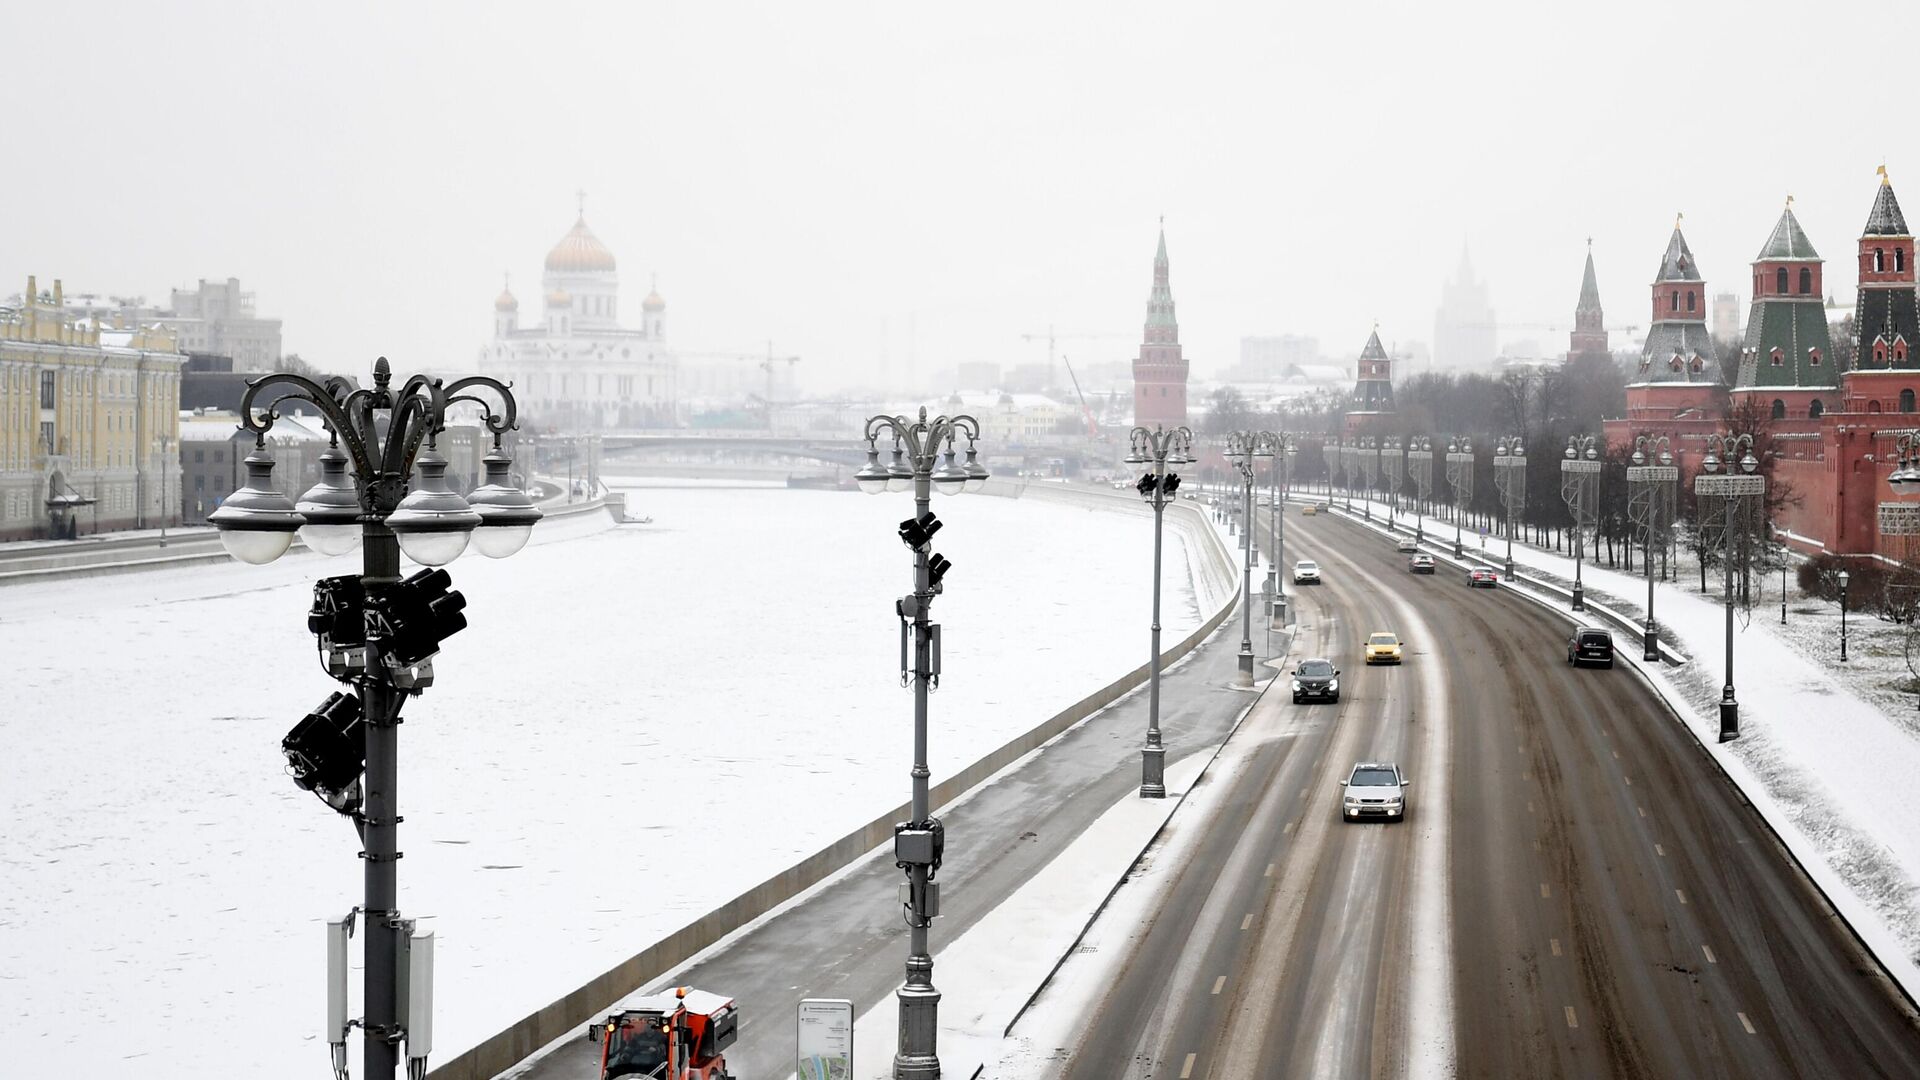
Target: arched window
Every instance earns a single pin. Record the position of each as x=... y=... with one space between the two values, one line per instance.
x=1813 y=356
x=1879 y=259
x=1814 y=410
x=1899 y=351
x=1879 y=353
x=1673 y=301
x=1906 y=400
x=1779 y=358
x=1899 y=258
x=1780 y=281
x=1756 y=283
x=1873 y=406
x=1779 y=409
x=1690 y=295
x=1699 y=365
x=1806 y=280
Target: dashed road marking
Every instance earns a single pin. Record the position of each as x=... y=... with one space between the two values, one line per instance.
x=1572 y=1021
x=1660 y=851
x=1545 y=890
x=1219 y=982
x=1709 y=951
x=1746 y=1023
x=1529 y=806
x=1186 y=1070
x=1536 y=845
x=1642 y=809
x=1525 y=775
x=1554 y=944
x=1616 y=755
x=1682 y=894
x=1246 y=923
x=1269 y=872
x=1287 y=828
x=1629 y=781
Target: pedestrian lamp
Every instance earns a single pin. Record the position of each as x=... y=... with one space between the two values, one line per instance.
x=377 y=633
x=1843 y=615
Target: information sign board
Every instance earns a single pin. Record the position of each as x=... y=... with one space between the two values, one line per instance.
x=826 y=1040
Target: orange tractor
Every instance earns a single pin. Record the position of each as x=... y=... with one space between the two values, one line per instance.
x=677 y=1035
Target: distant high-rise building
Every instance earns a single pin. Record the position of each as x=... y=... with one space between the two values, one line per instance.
x=1726 y=316
x=1464 y=332
x=217 y=317
x=1160 y=372
x=1589 y=337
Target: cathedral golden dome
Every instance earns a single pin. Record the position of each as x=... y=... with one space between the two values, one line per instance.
x=579 y=251
x=505 y=301
x=653 y=302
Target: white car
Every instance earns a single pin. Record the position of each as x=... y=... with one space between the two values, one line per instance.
x=1306 y=572
x=1406 y=544
x=1374 y=789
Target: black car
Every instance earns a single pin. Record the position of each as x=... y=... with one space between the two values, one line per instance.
x=1316 y=680
x=1590 y=645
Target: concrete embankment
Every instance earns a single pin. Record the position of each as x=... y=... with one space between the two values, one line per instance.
x=1214 y=571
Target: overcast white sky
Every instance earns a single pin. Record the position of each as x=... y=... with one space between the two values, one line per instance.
x=864 y=181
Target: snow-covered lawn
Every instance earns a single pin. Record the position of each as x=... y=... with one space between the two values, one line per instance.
x=639 y=723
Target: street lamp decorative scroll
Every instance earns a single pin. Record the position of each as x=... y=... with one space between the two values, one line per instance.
x=1460 y=480
x=918 y=465
x=1160 y=448
x=1736 y=492
x=1510 y=477
x=377 y=633
x=1651 y=483
x=1242 y=449
x=1420 y=467
x=1580 y=490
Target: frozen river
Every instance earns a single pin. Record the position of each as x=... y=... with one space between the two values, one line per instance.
x=639 y=723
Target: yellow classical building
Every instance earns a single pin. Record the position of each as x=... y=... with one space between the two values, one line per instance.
x=89 y=422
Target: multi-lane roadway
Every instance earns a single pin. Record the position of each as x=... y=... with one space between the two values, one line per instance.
x=1576 y=890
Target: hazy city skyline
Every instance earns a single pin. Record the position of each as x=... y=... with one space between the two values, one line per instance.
x=871 y=186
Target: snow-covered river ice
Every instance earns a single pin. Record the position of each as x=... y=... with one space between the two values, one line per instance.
x=639 y=723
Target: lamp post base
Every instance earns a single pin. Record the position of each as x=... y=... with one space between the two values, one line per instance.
x=1245 y=675
x=1651 y=642
x=1153 y=772
x=1729 y=718
x=1579 y=597
x=917 y=1058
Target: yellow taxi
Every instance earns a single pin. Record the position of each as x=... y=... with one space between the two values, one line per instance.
x=1383 y=647
x=1309 y=510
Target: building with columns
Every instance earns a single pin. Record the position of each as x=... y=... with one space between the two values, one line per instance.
x=1160 y=371
x=580 y=368
x=89 y=422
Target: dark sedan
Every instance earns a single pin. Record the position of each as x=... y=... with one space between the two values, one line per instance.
x=1316 y=680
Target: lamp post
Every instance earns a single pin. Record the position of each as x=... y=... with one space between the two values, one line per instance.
x=1843 y=616
x=1510 y=477
x=1736 y=451
x=377 y=633
x=919 y=466
x=1420 y=467
x=1785 y=557
x=1460 y=480
x=1162 y=448
x=1580 y=490
x=1650 y=500
x=1393 y=454
x=167 y=449
x=1369 y=465
x=1242 y=448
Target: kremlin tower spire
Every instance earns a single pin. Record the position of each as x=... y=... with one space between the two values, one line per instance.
x=1589 y=337
x=1160 y=371
x=1679 y=368
x=1786 y=361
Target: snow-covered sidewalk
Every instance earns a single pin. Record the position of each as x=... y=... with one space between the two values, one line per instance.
x=1807 y=733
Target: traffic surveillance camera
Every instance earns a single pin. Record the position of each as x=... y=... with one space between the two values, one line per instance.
x=416 y=615
x=917 y=532
x=326 y=750
x=937 y=568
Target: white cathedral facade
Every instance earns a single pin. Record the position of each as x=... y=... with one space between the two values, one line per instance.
x=579 y=368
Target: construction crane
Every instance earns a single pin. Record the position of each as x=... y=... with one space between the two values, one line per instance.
x=1093 y=426
x=1051 y=338
x=767 y=363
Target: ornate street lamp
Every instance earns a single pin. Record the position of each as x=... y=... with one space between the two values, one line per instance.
x=1580 y=490
x=918 y=465
x=1420 y=467
x=1510 y=476
x=1393 y=470
x=1843 y=616
x=1460 y=480
x=378 y=633
x=1732 y=489
x=1651 y=480
x=1242 y=448
x=1161 y=448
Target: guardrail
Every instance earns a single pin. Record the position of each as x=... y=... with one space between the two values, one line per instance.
x=564 y=1016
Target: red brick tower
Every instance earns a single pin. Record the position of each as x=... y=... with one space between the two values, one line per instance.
x=1160 y=372
x=1589 y=337
x=1886 y=323
x=1679 y=373
x=1372 y=404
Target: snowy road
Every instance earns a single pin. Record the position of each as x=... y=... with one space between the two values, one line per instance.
x=1613 y=908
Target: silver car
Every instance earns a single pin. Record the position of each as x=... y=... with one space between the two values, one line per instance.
x=1306 y=572
x=1374 y=789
